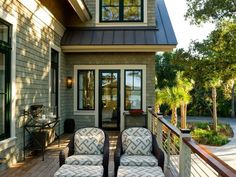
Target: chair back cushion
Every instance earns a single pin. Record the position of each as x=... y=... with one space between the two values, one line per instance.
x=137 y=141
x=89 y=141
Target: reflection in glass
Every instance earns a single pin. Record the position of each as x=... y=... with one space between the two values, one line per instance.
x=86 y=85
x=109 y=99
x=4 y=32
x=2 y=93
x=133 y=89
x=121 y=10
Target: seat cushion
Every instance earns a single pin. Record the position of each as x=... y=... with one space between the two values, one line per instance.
x=138 y=160
x=89 y=141
x=79 y=171
x=136 y=145
x=134 y=171
x=137 y=141
x=84 y=160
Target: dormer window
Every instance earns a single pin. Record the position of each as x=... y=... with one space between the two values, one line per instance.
x=121 y=10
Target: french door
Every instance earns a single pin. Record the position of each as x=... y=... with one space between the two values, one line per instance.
x=109 y=99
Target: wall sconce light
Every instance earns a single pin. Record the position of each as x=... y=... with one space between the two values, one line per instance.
x=69 y=82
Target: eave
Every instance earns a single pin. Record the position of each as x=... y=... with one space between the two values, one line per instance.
x=116 y=48
x=81 y=9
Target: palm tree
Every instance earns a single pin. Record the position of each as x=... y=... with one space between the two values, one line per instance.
x=213 y=84
x=172 y=97
x=185 y=86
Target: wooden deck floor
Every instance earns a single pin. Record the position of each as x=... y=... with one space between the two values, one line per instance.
x=35 y=167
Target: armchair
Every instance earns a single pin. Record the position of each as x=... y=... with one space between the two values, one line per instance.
x=137 y=147
x=88 y=146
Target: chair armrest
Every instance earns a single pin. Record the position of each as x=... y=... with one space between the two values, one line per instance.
x=158 y=153
x=68 y=151
x=106 y=155
x=63 y=155
x=117 y=154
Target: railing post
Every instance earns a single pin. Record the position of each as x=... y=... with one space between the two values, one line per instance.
x=159 y=128
x=184 y=155
x=149 y=118
x=168 y=141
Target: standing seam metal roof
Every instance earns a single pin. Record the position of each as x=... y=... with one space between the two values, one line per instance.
x=162 y=34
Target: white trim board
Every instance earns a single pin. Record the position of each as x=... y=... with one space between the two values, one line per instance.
x=122 y=68
x=58 y=49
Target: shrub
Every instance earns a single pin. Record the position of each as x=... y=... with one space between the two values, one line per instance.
x=203 y=133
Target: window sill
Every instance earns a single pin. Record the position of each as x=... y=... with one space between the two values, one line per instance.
x=85 y=112
x=7 y=143
x=122 y=24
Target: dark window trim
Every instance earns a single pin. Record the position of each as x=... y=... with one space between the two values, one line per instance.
x=121 y=13
x=93 y=70
x=55 y=65
x=140 y=90
x=5 y=48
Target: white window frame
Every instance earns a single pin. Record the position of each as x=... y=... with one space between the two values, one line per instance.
x=97 y=68
x=58 y=49
x=98 y=23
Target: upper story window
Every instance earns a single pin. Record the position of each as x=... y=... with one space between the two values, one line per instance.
x=121 y=10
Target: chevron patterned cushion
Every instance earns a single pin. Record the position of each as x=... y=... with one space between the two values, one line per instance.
x=138 y=160
x=138 y=145
x=127 y=171
x=79 y=171
x=84 y=160
x=89 y=141
x=137 y=141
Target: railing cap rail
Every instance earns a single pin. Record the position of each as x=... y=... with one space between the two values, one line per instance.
x=173 y=128
x=217 y=164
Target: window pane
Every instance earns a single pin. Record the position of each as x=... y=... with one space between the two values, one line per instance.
x=2 y=93
x=132 y=2
x=110 y=14
x=133 y=90
x=86 y=86
x=3 y=32
x=132 y=13
x=110 y=3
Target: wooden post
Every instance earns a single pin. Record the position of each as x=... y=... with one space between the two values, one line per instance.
x=149 y=118
x=184 y=155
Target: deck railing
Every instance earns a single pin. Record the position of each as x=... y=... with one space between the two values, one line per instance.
x=183 y=156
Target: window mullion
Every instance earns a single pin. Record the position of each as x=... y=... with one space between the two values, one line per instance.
x=121 y=10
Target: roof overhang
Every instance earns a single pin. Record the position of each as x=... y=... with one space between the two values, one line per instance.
x=117 y=48
x=81 y=9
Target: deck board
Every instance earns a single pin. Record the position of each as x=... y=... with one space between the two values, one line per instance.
x=33 y=166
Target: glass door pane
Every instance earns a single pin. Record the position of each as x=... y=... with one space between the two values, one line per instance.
x=54 y=81
x=109 y=99
x=2 y=93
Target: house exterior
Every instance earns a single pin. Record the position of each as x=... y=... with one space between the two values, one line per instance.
x=107 y=48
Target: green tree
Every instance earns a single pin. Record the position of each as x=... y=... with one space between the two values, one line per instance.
x=210 y=10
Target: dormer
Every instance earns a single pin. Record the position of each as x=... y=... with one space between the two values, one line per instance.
x=116 y=13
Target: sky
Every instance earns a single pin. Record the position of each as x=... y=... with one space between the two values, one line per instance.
x=183 y=30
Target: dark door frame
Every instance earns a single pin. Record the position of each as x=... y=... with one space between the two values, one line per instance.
x=118 y=97
x=55 y=66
